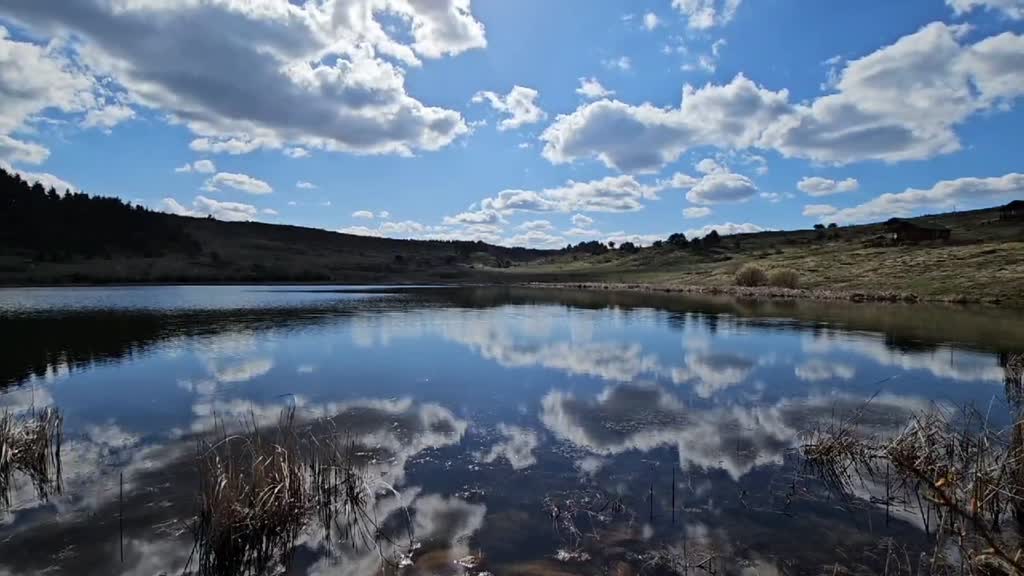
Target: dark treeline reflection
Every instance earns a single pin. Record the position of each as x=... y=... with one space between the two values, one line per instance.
x=38 y=343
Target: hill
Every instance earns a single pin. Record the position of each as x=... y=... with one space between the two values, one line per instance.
x=52 y=238
x=49 y=238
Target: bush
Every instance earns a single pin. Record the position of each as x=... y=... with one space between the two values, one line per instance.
x=751 y=275
x=784 y=278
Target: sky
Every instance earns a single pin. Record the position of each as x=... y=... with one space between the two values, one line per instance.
x=530 y=122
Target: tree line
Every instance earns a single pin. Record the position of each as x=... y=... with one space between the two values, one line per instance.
x=52 y=226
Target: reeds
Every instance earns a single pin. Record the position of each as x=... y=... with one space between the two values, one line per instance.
x=259 y=491
x=968 y=474
x=31 y=446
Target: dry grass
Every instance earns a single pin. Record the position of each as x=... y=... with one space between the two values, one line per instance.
x=751 y=275
x=260 y=490
x=31 y=446
x=969 y=475
x=784 y=278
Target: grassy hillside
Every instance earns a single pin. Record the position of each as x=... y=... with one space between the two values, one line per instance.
x=984 y=260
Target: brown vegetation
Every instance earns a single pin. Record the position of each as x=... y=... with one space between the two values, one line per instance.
x=751 y=275
x=31 y=446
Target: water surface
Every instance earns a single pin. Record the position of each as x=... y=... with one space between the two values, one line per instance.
x=484 y=407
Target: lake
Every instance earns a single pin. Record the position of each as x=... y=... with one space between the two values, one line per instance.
x=664 y=422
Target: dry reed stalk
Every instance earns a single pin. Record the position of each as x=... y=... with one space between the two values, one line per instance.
x=31 y=446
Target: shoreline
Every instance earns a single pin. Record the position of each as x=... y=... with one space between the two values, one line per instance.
x=775 y=293
x=740 y=292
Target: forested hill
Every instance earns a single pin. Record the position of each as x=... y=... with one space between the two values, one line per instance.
x=50 y=236
x=51 y=225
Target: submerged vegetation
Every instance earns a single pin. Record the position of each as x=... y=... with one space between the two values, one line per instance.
x=259 y=491
x=964 y=480
x=31 y=446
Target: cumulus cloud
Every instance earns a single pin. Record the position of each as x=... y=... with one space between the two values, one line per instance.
x=537 y=239
x=542 y=225
x=474 y=217
x=582 y=221
x=819 y=210
x=273 y=74
x=242 y=182
x=721 y=187
x=591 y=89
x=646 y=137
x=943 y=195
x=651 y=21
x=696 y=212
x=304 y=185
x=726 y=229
x=203 y=206
x=108 y=116
x=1010 y=8
x=704 y=14
x=902 y=102
x=363 y=214
x=200 y=166
x=520 y=105
x=611 y=194
x=638 y=239
x=817 y=186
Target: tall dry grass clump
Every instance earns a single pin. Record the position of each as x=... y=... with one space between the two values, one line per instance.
x=969 y=476
x=784 y=278
x=751 y=275
x=260 y=490
x=31 y=446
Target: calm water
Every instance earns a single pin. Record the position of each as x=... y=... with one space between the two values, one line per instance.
x=481 y=405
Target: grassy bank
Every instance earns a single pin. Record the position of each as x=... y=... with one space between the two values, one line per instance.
x=983 y=262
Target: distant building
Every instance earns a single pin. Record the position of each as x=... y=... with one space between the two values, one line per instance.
x=1012 y=211
x=901 y=230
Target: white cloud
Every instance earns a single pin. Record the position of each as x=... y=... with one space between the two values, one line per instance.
x=537 y=239
x=200 y=166
x=581 y=221
x=269 y=212
x=363 y=214
x=901 y=102
x=269 y=74
x=13 y=150
x=203 y=206
x=651 y=21
x=819 y=210
x=638 y=239
x=474 y=217
x=1010 y=8
x=33 y=80
x=704 y=14
x=520 y=105
x=646 y=137
x=816 y=186
x=304 y=185
x=696 y=212
x=610 y=194
x=108 y=116
x=591 y=89
x=720 y=187
x=46 y=179
x=517 y=447
x=622 y=63
x=709 y=166
x=242 y=182
x=296 y=152
x=541 y=225
x=943 y=195
x=383 y=214
x=724 y=229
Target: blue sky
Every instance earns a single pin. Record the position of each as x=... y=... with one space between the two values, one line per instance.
x=534 y=122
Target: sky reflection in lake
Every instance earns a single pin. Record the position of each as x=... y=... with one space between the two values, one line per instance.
x=475 y=405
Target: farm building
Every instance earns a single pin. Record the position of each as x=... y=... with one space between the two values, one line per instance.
x=901 y=230
x=1012 y=211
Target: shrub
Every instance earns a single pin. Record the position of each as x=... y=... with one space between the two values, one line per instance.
x=751 y=275
x=784 y=278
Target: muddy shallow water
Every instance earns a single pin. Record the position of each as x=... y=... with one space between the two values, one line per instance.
x=491 y=411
